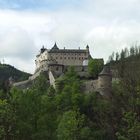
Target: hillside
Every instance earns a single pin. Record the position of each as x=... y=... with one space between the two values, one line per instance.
x=126 y=65
x=7 y=71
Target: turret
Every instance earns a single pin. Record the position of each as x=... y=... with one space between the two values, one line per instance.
x=105 y=82
x=87 y=48
x=86 y=60
x=42 y=49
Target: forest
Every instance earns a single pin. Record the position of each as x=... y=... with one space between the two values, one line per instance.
x=67 y=113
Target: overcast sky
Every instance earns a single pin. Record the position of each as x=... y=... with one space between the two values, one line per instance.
x=26 y=25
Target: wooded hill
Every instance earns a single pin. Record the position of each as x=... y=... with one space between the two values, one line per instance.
x=7 y=71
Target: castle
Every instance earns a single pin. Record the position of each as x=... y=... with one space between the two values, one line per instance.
x=55 y=62
x=65 y=57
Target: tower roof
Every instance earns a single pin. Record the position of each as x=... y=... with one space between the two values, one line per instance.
x=87 y=46
x=55 y=47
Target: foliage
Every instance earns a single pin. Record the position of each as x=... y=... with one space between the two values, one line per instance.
x=70 y=126
x=126 y=92
x=95 y=66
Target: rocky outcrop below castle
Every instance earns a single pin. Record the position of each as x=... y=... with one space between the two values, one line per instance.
x=102 y=84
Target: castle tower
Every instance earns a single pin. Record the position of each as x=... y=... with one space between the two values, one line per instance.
x=105 y=82
x=55 y=47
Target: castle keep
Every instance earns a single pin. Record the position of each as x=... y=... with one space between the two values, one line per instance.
x=55 y=62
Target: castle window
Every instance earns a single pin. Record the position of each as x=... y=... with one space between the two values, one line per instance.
x=75 y=57
x=60 y=57
x=64 y=57
x=57 y=68
x=56 y=57
x=79 y=58
x=68 y=58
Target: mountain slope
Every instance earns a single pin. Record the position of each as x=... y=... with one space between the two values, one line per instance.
x=7 y=71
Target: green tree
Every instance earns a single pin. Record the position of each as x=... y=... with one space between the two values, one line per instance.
x=7 y=120
x=95 y=66
x=70 y=126
x=130 y=127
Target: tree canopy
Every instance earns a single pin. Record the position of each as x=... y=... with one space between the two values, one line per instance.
x=67 y=113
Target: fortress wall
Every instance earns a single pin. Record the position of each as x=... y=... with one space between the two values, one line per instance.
x=90 y=85
x=81 y=68
x=20 y=83
x=83 y=74
x=23 y=84
x=35 y=75
x=56 y=68
x=42 y=65
x=69 y=58
x=78 y=68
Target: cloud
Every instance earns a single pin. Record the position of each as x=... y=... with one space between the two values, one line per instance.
x=17 y=43
x=105 y=25
x=103 y=35
x=21 y=35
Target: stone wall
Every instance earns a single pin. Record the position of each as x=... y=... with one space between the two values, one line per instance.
x=90 y=86
x=58 y=69
x=23 y=85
